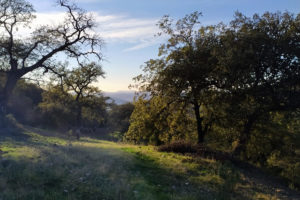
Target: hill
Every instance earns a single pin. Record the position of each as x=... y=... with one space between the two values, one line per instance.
x=121 y=97
x=38 y=164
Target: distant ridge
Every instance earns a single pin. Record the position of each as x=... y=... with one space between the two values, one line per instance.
x=121 y=97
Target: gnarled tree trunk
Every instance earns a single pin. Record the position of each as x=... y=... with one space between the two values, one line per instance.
x=245 y=135
x=10 y=83
x=199 y=119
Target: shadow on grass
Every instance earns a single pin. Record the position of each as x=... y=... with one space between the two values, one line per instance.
x=80 y=172
x=62 y=173
x=179 y=186
x=92 y=169
x=13 y=133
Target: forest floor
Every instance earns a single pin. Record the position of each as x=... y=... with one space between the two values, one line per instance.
x=37 y=164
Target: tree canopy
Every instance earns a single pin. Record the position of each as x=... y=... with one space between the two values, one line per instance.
x=185 y=70
x=234 y=74
x=19 y=56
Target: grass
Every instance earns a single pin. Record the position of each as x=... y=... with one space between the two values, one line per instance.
x=39 y=165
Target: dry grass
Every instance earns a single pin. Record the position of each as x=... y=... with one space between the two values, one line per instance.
x=49 y=166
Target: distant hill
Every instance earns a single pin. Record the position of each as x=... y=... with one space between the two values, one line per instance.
x=121 y=97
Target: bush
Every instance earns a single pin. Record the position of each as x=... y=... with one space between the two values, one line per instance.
x=116 y=136
x=8 y=121
x=179 y=147
x=198 y=150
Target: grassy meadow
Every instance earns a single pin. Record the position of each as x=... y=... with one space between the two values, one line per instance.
x=36 y=164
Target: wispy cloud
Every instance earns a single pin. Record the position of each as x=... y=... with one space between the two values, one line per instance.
x=139 y=32
x=144 y=43
x=112 y=28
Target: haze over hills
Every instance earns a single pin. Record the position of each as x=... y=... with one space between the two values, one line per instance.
x=121 y=97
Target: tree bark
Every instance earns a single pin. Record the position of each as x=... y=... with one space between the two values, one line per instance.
x=78 y=121
x=79 y=116
x=79 y=110
x=157 y=140
x=245 y=135
x=199 y=120
x=11 y=81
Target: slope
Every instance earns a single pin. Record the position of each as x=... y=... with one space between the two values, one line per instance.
x=38 y=164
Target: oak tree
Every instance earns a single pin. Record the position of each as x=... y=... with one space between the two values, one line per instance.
x=21 y=55
x=260 y=64
x=185 y=70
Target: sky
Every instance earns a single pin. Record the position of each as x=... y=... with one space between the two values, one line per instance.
x=128 y=27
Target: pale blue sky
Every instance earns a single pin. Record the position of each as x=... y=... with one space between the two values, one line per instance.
x=128 y=26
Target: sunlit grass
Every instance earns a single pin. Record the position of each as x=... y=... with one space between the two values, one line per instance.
x=17 y=152
x=39 y=166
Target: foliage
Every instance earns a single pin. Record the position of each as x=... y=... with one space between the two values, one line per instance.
x=156 y=121
x=8 y=122
x=79 y=81
x=231 y=87
x=24 y=102
x=119 y=116
x=260 y=58
x=58 y=109
x=20 y=56
x=184 y=72
x=240 y=79
x=94 y=111
x=73 y=101
x=179 y=147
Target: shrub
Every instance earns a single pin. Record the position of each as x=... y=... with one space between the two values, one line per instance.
x=8 y=121
x=179 y=147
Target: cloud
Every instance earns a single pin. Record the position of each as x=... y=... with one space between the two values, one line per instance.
x=126 y=29
x=112 y=28
x=144 y=43
x=141 y=45
x=41 y=19
x=123 y=29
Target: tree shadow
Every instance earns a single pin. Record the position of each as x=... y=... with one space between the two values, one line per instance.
x=67 y=169
x=13 y=133
x=163 y=182
x=81 y=172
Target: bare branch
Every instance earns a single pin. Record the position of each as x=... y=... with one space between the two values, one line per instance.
x=47 y=41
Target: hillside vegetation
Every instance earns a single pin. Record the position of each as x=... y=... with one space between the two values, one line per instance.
x=38 y=164
x=216 y=114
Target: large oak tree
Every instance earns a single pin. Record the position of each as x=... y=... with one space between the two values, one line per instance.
x=186 y=67
x=19 y=56
x=259 y=58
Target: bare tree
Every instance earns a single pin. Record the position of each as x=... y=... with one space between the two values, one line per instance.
x=20 y=56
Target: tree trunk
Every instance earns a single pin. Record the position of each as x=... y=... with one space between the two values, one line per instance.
x=79 y=116
x=156 y=138
x=79 y=110
x=200 y=131
x=245 y=135
x=11 y=81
